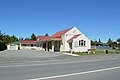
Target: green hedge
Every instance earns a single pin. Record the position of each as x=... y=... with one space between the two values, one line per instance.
x=2 y=46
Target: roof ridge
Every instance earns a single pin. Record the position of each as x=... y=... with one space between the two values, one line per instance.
x=61 y=32
x=66 y=29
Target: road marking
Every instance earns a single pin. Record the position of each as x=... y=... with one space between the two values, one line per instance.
x=73 y=74
x=114 y=58
x=56 y=63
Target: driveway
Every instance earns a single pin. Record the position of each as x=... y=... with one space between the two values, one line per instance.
x=29 y=55
x=23 y=56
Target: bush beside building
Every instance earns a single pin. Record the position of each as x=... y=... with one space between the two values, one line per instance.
x=2 y=46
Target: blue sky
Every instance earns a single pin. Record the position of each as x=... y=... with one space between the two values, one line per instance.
x=95 y=18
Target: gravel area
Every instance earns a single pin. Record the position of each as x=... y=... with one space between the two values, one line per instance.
x=28 y=55
x=20 y=56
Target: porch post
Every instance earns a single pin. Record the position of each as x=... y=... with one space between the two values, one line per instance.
x=60 y=46
x=46 y=46
x=41 y=45
x=52 y=46
x=72 y=47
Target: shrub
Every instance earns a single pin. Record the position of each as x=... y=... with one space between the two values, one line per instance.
x=2 y=46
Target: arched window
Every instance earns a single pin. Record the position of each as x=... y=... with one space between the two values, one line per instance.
x=82 y=43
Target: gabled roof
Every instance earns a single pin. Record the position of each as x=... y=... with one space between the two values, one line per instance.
x=28 y=42
x=75 y=36
x=59 y=33
x=56 y=36
x=14 y=43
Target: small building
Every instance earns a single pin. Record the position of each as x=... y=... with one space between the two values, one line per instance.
x=66 y=40
x=13 y=46
x=28 y=44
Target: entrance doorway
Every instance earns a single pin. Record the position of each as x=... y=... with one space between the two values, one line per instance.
x=70 y=44
x=57 y=46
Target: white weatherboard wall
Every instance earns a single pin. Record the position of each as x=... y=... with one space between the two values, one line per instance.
x=62 y=46
x=68 y=35
x=12 y=47
x=77 y=48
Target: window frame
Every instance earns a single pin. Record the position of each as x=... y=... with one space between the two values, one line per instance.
x=82 y=43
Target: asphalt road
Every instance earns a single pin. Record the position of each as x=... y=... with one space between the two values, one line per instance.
x=99 y=69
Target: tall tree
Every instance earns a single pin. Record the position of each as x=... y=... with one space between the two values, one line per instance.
x=118 y=40
x=33 y=37
x=118 y=43
x=46 y=34
x=6 y=39
x=27 y=38
x=94 y=43
x=1 y=35
x=21 y=38
x=99 y=41
x=110 y=42
x=2 y=44
x=13 y=38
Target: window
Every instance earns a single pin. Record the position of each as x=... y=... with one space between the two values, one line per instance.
x=82 y=43
x=31 y=45
x=28 y=45
x=23 y=44
x=34 y=45
x=37 y=44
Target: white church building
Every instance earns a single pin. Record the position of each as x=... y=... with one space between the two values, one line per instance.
x=66 y=40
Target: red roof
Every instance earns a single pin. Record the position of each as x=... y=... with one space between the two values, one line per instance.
x=28 y=42
x=56 y=36
x=75 y=36
x=43 y=37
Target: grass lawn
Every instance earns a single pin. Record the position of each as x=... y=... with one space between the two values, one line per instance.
x=97 y=52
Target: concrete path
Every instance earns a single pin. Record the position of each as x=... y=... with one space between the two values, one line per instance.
x=70 y=54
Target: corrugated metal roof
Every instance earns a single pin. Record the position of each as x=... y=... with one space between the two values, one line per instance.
x=56 y=36
x=75 y=36
x=28 y=42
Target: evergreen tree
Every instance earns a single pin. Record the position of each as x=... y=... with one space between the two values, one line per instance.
x=99 y=41
x=118 y=40
x=46 y=34
x=27 y=38
x=33 y=37
x=94 y=43
x=21 y=38
x=1 y=35
x=13 y=38
x=2 y=44
x=110 y=42
x=6 y=39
